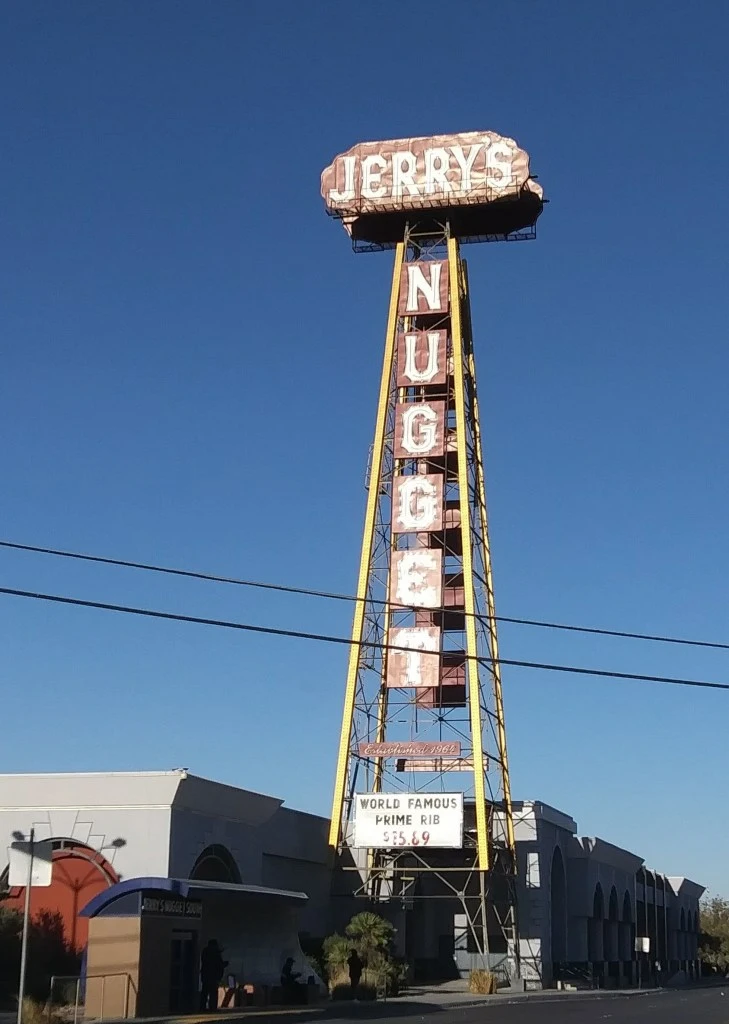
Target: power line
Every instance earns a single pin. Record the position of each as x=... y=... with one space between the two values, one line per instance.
x=326 y=638
x=328 y=595
x=333 y=596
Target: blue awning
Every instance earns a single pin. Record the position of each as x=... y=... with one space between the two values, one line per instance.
x=185 y=888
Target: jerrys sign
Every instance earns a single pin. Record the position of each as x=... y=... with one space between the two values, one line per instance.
x=465 y=169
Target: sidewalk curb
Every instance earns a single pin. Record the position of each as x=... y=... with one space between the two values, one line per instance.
x=536 y=996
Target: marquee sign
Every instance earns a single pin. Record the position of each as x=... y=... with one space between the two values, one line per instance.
x=163 y=906
x=401 y=174
x=386 y=820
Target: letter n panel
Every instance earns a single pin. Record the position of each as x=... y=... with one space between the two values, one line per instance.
x=424 y=288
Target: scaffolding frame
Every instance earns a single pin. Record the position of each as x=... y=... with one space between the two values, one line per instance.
x=481 y=876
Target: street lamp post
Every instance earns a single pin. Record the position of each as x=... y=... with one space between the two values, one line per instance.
x=40 y=872
x=26 y=919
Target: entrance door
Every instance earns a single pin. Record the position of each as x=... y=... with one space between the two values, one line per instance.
x=183 y=972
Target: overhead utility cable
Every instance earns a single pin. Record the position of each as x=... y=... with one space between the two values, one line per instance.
x=325 y=638
x=307 y=592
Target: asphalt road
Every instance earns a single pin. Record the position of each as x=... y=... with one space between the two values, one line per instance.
x=708 y=1006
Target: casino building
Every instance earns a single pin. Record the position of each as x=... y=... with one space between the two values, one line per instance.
x=259 y=874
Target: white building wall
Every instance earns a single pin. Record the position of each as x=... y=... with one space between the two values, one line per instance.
x=94 y=809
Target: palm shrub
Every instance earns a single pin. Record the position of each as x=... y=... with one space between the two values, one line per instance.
x=372 y=936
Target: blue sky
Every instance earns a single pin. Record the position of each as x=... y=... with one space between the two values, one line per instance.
x=190 y=355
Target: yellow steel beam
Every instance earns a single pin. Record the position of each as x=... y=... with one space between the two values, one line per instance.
x=474 y=689
x=340 y=780
x=382 y=700
x=490 y=600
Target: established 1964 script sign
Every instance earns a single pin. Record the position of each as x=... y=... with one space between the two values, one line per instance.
x=387 y=820
x=465 y=169
x=412 y=748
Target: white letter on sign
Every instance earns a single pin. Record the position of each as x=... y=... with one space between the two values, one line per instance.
x=418 y=503
x=371 y=177
x=413 y=667
x=348 y=193
x=430 y=369
x=416 y=578
x=403 y=169
x=437 y=162
x=466 y=164
x=421 y=358
x=498 y=166
x=430 y=287
x=419 y=428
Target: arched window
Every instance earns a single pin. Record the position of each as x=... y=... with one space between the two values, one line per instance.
x=79 y=873
x=558 y=898
x=613 y=905
x=216 y=864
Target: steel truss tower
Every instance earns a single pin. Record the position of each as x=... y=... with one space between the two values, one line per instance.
x=423 y=710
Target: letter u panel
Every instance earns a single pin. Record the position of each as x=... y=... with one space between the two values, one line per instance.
x=421 y=358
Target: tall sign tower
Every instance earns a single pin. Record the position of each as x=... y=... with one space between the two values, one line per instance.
x=422 y=812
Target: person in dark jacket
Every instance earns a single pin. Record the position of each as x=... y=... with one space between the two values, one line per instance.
x=212 y=966
x=355 y=971
x=290 y=983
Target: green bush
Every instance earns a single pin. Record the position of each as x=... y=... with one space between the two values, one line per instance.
x=372 y=937
x=335 y=950
x=48 y=953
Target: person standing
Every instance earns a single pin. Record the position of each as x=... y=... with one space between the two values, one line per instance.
x=290 y=984
x=212 y=966
x=355 y=972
